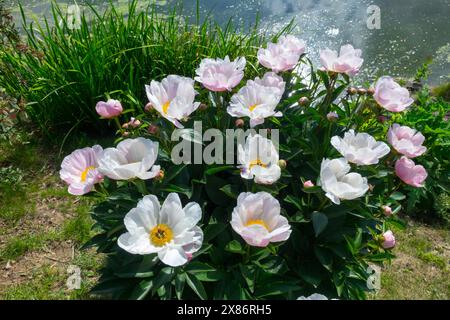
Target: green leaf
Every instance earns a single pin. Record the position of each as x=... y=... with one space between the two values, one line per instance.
x=179 y=189
x=173 y=172
x=248 y=273
x=196 y=286
x=275 y=288
x=230 y=191
x=141 y=290
x=398 y=196
x=215 y=170
x=164 y=276
x=292 y=200
x=314 y=189
x=213 y=230
x=180 y=281
x=325 y=257
x=320 y=222
x=310 y=272
x=234 y=246
x=204 y=272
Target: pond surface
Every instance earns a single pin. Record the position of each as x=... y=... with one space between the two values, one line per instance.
x=411 y=31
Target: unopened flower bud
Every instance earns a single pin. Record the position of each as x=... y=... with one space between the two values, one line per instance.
x=371 y=91
x=125 y=134
x=387 y=211
x=388 y=240
x=332 y=116
x=202 y=106
x=303 y=101
x=152 y=129
x=352 y=91
x=282 y=163
x=308 y=184
x=125 y=125
x=383 y=119
x=362 y=91
x=160 y=176
x=239 y=123
x=148 y=107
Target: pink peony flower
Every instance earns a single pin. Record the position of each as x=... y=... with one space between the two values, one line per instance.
x=282 y=56
x=109 y=109
x=349 y=60
x=391 y=96
x=388 y=240
x=257 y=219
x=79 y=170
x=292 y=44
x=406 y=141
x=220 y=75
x=410 y=173
x=387 y=211
x=271 y=80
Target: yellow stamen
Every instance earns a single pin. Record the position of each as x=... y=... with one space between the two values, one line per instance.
x=253 y=106
x=258 y=222
x=160 y=235
x=257 y=162
x=85 y=173
x=165 y=107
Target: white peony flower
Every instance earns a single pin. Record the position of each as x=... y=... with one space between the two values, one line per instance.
x=132 y=158
x=173 y=98
x=257 y=219
x=170 y=231
x=256 y=102
x=348 y=61
x=259 y=160
x=339 y=183
x=220 y=75
x=283 y=55
x=314 y=296
x=271 y=81
x=360 y=148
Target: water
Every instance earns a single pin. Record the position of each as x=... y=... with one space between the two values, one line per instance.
x=411 y=30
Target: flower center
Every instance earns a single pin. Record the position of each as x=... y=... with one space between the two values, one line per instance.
x=253 y=106
x=160 y=235
x=85 y=173
x=258 y=222
x=165 y=107
x=257 y=162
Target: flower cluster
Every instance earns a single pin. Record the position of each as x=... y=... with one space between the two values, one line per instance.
x=262 y=207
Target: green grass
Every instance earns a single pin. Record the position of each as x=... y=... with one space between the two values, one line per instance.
x=64 y=71
x=49 y=283
x=420 y=270
x=19 y=245
x=78 y=228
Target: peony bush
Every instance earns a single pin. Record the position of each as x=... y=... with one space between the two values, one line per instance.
x=301 y=209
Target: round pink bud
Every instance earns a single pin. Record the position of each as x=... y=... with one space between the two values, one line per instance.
x=332 y=116
x=387 y=211
x=308 y=184
x=153 y=129
x=148 y=107
x=109 y=109
x=388 y=240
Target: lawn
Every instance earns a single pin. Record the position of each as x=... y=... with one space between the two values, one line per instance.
x=42 y=229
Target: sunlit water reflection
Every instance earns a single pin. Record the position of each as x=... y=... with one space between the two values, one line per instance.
x=411 y=30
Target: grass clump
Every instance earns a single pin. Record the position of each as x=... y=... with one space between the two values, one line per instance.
x=61 y=71
x=18 y=246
